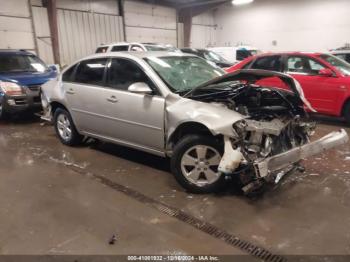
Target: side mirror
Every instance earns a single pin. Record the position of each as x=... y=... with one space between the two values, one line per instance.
x=140 y=88
x=326 y=72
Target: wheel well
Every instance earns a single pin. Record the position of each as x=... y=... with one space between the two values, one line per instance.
x=347 y=102
x=188 y=129
x=55 y=106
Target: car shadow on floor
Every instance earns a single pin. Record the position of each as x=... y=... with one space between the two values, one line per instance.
x=328 y=120
x=131 y=154
x=21 y=119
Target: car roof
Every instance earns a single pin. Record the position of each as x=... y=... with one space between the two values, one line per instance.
x=15 y=51
x=341 y=51
x=137 y=54
x=290 y=53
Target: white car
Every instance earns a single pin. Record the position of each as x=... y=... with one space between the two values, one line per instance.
x=235 y=54
x=141 y=47
x=342 y=54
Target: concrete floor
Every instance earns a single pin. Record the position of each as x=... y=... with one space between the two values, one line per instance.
x=48 y=208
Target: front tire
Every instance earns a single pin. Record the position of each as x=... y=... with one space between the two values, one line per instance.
x=195 y=164
x=65 y=128
x=3 y=113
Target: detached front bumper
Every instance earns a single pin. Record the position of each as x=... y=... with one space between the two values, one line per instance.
x=272 y=165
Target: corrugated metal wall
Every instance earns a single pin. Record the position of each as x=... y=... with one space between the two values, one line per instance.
x=81 y=32
x=83 y=25
x=16 y=30
x=42 y=31
x=203 y=33
x=150 y=23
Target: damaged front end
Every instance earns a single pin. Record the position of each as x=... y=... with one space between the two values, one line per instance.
x=275 y=135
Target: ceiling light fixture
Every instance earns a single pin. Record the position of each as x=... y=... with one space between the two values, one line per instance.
x=241 y=2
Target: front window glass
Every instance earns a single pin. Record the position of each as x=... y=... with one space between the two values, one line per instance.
x=214 y=57
x=91 y=71
x=341 y=65
x=12 y=63
x=122 y=73
x=183 y=73
x=303 y=65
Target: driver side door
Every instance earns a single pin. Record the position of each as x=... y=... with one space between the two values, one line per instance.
x=321 y=91
x=134 y=119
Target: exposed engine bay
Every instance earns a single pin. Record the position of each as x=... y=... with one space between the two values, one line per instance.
x=275 y=122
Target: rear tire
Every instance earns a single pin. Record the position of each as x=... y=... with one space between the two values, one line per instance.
x=65 y=128
x=195 y=162
x=346 y=112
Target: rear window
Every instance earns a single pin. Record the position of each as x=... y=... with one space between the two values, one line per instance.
x=271 y=63
x=120 y=48
x=102 y=49
x=91 y=71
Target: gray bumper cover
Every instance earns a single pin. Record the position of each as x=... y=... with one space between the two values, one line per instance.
x=281 y=161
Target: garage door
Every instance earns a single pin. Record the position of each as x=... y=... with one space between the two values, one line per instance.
x=16 y=25
x=81 y=32
x=150 y=23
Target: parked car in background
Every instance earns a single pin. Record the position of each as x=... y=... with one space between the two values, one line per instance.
x=21 y=76
x=342 y=54
x=209 y=55
x=234 y=54
x=211 y=124
x=124 y=46
x=324 y=78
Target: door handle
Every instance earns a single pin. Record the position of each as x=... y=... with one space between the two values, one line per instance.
x=70 y=91
x=112 y=99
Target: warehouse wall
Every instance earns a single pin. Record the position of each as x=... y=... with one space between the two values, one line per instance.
x=313 y=25
x=16 y=31
x=150 y=23
x=203 y=31
x=82 y=26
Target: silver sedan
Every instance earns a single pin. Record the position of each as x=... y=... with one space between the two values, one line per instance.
x=212 y=125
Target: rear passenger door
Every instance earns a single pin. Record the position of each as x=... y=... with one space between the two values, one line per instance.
x=83 y=94
x=270 y=63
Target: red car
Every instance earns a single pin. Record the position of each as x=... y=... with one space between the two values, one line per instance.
x=324 y=78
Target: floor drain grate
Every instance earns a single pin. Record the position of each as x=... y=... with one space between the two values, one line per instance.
x=203 y=226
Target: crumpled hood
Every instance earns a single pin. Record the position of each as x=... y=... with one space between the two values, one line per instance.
x=252 y=76
x=28 y=78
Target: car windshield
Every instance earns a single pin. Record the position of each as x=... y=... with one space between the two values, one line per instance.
x=340 y=64
x=157 y=48
x=21 y=63
x=214 y=57
x=181 y=73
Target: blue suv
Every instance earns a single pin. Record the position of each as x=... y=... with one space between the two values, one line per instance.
x=21 y=76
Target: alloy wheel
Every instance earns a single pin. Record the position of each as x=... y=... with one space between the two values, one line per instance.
x=199 y=165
